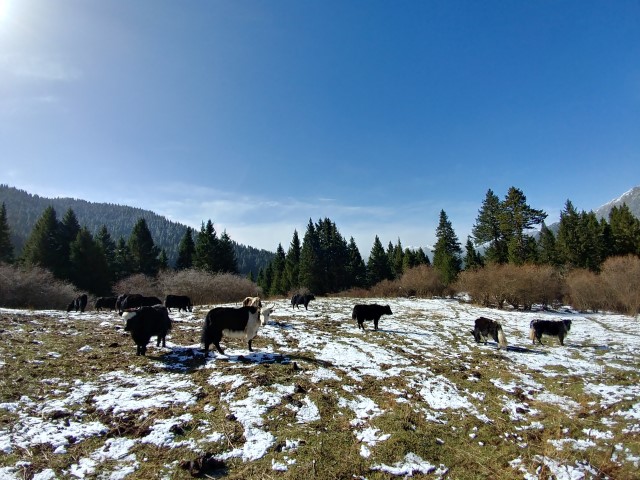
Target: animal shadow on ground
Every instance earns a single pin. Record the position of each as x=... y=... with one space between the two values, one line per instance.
x=400 y=332
x=513 y=348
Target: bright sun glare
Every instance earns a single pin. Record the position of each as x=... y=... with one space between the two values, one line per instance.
x=4 y=10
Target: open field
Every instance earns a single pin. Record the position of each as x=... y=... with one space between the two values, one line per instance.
x=319 y=398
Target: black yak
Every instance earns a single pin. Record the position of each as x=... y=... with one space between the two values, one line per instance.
x=556 y=328
x=362 y=312
x=485 y=327
x=78 y=303
x=146 y=322
x=299 y=299
x=181 y=302
x=105 y=302
x=242 y=322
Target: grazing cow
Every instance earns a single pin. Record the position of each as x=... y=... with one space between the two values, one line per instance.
x=252 y=302
x=299 y=299
x=136 y=300
x=181 y=302
x=119 y=302
x=146 y=322
x=105 y=302
x=78 y=303
x=559 y=328
x=362 y=312
x=485 y=327
x=242 y=322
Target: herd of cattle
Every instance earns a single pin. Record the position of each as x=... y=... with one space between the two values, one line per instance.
x=146 y=317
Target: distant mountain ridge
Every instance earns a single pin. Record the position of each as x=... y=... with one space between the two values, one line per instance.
x=24 y=209
x=631 y=198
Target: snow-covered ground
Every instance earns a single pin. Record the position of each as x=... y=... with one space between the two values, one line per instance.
x=323 y=344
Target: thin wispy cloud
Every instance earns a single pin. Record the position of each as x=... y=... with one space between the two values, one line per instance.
x=38 y=68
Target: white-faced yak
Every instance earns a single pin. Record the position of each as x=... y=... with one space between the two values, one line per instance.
x=243 y=322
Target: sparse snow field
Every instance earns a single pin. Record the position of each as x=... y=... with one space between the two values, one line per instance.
x=423 y=358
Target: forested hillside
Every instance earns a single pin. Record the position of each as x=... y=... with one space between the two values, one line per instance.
x=24 y=209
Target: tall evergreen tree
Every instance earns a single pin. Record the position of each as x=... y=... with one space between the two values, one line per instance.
x=333 y=256
x=422 y=258
x=356 y=269
x=487 y=229
x=108 y=246
x=567 y=239
x=516 y=217
x=547 y=250
x=163 y=260
x=186 y=251
x=397 y=260
x=625 y=231
x=122 y=261
x=292 y=262
x=279 y=284
x=89 y=269
x=6 y=247
x=472 y=260
x=409 y=259
x=144 y=252
x=311 y=273
x=69 y=227
x=42 y=248
x=206 y=249
x=378 y=267
x=226 y=259
x=580 y=239
x=447 y=251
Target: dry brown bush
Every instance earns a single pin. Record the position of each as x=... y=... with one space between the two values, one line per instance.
x=520 y=286
x=386 y=288
x=585 y=290
x=34 y=288
x=621 y=275
x=139 y=283
x=422 y=281
x=205 y=288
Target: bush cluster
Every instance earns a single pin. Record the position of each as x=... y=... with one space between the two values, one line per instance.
x=34 y=288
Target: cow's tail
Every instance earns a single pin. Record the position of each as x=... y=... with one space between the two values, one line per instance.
x=502 y=340
x=532 y=334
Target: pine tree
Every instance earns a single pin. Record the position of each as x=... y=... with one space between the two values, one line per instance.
x=487 y=229
x=625 y=231
x=409 y=259
x=311 y=274
x=206 y=249
x=567 y=241
x=42 y=248
x=6 y=247
x=279 y=283
x=163 y=260
x=447 y=251
x=89 y=269
x=516 y=217
x=292 y=262
x=144 y=252
x=422 y=258
x=397 y=260
x=378 y=267
x=186 y=251
x=356 y=269
x=108 y=246
x=123 y=261
x=226 y=259
x=472 y=260
x=547 y=250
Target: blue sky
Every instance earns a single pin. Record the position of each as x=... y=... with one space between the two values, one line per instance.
x=260 y=115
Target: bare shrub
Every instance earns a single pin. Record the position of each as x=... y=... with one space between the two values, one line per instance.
x=206 y=288
x=386 y=288
x=520 y=286
x=585 y=290
x=422 y=281
x=138 y=283
x=34 y=288
x=621 y=276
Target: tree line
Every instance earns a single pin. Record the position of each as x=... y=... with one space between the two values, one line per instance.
x=505 y=232
x=95 y=263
